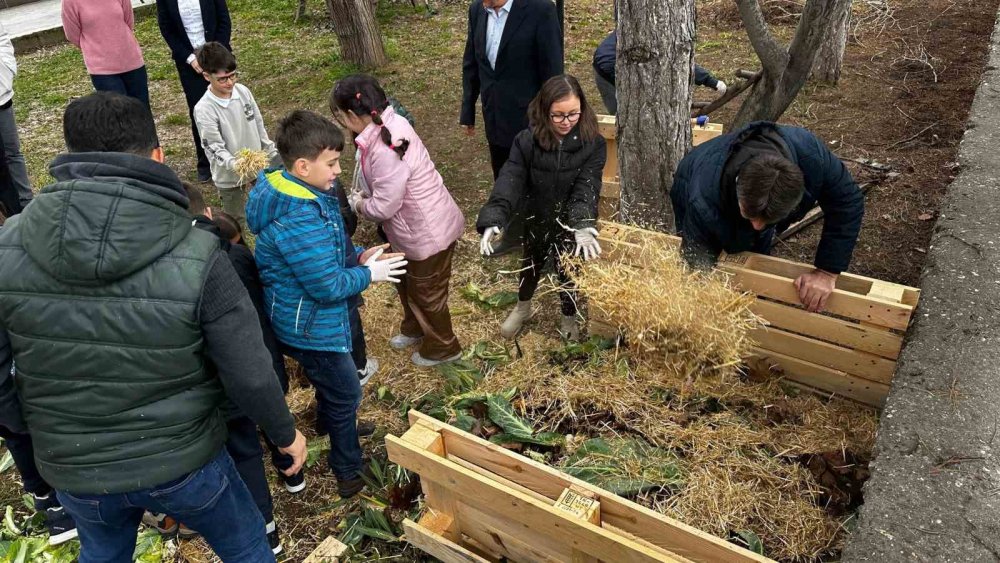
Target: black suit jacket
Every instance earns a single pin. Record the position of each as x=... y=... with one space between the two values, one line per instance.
x=530 y=53
x=214 y=14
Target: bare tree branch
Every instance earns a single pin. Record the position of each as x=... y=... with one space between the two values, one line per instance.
x=814 y=26
x=773 y=57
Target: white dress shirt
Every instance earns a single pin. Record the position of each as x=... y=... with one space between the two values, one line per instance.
x=495 y=22
x=190 y=11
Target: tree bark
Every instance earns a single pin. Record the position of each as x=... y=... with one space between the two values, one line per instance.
x=831 y=54
x=784 y=71
x=357 y=32
x=654 y=87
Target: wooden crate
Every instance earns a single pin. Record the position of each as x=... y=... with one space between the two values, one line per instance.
x=611 y=192
x=485 y=503
x=849 y=350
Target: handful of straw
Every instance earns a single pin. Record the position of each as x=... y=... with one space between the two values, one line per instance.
x=250 y=163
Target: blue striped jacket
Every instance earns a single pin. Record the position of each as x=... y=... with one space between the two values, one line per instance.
x=301 y=249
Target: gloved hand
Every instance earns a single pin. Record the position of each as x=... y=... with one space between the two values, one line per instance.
x=486 y=244
x=721 y=88
x=586 y=243
x=386 y=270
x=354 y=200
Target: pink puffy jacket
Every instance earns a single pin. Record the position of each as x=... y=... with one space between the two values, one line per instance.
x=408 y=196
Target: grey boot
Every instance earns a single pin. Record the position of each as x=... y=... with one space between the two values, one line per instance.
x=515 y=320
x=569 y=328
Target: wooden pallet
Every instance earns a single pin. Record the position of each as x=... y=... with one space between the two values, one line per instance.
x=849 y=350
x=485 y=503
x=611 y=192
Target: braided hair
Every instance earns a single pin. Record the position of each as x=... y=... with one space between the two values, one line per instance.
x=362 y=95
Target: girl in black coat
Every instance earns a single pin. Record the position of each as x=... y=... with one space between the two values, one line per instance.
x=553 y=176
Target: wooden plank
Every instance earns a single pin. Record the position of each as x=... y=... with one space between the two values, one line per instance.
x=510 y=538
x=657 y=529
x=440 y=500
x=611 y=189
x=329 y=551
x=701 y=134
x=608 y=126
x=438 y=546
x=519 y=507
x=888 y=291
x=861 y=364
x=837 y=331
x=826 y=379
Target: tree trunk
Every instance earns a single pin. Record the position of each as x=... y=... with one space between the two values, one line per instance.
x=831 y=54
x=357 y=32
x=300 y=10
x=784 y=71
x=654 y=87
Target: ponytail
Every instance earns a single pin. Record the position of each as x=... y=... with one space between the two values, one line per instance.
x=362 y=95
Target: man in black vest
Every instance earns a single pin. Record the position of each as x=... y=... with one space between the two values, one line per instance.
x=118 y=311
x=186 y=25
x=512 y=48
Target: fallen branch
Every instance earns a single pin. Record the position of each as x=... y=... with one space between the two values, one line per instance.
x=730 y=93
x=815 y=214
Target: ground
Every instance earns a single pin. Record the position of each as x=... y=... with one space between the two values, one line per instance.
x=910 y=72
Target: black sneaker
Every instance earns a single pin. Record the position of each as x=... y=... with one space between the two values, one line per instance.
x=365 y=428
x=350 y=487
x=60 y=524
x=296 y=483
x=273 y=539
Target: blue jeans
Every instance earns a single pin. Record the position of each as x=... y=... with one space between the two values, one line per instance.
x=212 y=500
x=338 y=395
x=133 y=83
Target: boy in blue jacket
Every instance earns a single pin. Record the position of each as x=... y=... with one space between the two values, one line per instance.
x=301 y=254
x=736 y=192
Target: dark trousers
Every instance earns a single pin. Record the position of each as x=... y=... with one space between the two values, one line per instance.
x=338 y=394
x=133 y=83
x=536 y=252
x=243 y=445
x=22 y=449
x=194 y=86
x=498 y=157
x=423 y=291
x=359 y=352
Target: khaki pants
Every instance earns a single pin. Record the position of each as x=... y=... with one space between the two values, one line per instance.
x=423 y=291
x=234 y=202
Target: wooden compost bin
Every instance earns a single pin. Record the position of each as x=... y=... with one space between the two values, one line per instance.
x=849 y=350
x=611 y=190
x=486 y=504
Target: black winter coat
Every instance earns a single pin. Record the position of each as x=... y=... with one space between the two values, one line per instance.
x=548 y=186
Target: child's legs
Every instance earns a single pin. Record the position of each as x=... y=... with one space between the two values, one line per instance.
x=532 y=263
x=359 y=352
x=243 y=445
x=136 y=84
x=427 y=296
x=279 y=460
x=22 y=450
x=109 y=83
x=409 y=326
x=338 y=394
x=234 y=202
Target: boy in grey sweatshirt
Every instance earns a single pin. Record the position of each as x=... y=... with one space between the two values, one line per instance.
x=229 y=120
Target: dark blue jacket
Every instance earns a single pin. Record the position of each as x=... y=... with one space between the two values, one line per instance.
x=214 y=16
x=530 y=53
x=710 y=225
x=604 y=63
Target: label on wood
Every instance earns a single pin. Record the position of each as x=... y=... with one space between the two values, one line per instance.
x=580 y=504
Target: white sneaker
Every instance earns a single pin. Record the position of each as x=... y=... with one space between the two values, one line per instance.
x=402 y=342
x=370 y=368
x=423 y=362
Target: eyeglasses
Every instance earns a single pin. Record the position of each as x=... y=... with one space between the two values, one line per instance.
x=227 y=78
x=564 y=117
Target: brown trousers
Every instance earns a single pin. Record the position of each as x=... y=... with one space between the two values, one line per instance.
x=423 y=291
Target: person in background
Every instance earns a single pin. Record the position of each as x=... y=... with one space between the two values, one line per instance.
x=140 y=331
x=554 y=171
x=401 y=189
x=186 y=25
x=604 y=73
x=16 y=169
x=104 y=31
x=229 y=120
x=736 y=192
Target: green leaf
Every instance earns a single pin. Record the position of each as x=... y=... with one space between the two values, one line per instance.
x=465 y=422
x=6 y=462
x=385 y=395
x=316 y=449
x=460 y=377
x=8 y=522
x=752 y=540
x=148 y=547
x=624 y=466
x=499 y=300
x=542 y=439
x=502 y=413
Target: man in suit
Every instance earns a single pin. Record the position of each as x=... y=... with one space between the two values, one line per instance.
x=512 y=48
x=186 y=25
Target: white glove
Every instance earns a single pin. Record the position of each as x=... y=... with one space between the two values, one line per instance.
x=721 y=88
x=386 y=270
x=354 y=199
x=486 y=244
x=586 y=243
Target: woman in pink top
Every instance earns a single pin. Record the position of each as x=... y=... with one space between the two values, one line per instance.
x=403 y=191
x=104 y=32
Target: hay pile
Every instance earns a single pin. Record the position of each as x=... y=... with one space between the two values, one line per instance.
x=250 y=163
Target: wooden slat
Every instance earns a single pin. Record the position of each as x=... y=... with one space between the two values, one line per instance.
x=826 y=379
x=437 y=545
x=330 y=551
x=861 y=364
x=608 y=126
x=830 y=329
x=657 y=529
x=611 y=189
x=517 y=506
x=440 y=500
x=510 y=538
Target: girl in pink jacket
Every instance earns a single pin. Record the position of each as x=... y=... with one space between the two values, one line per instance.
x=400 y=188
